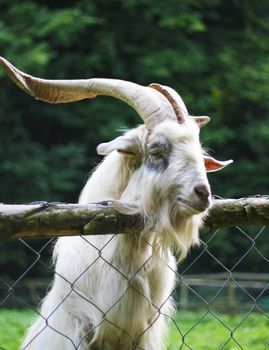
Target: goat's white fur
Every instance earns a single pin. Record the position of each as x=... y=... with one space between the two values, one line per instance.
x=120 y=286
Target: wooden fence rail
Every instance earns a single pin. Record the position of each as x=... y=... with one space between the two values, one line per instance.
x=59 y=219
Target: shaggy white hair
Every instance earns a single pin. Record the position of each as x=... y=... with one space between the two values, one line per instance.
x=114 y=292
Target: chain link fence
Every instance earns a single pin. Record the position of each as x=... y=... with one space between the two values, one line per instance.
x=220 y=307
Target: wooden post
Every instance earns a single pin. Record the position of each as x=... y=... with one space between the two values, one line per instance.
x=231 y=296
x=184 y=296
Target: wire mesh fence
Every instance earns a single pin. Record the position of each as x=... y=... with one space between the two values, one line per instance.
x=220 y=308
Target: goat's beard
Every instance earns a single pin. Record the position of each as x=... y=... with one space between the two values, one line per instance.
x=168 y=226
x=167 y=223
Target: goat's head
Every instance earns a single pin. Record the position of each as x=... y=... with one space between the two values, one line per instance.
x=168 y=166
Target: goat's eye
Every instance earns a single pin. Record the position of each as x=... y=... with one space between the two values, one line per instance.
x=156 y=152
x=159 y=149
x=158 y=155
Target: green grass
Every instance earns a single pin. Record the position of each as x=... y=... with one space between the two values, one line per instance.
x=12 y=327
x=185 y=331
x=225 y=332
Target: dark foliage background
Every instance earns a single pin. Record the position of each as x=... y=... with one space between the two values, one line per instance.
x=215 y=53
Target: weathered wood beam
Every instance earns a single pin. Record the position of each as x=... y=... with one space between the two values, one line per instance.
x=46 y=220
x=59 y=219
x=238 y=212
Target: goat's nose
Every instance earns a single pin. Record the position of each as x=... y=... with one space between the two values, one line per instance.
x=202 y=191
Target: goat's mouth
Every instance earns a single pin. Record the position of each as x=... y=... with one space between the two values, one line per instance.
x=197 y=207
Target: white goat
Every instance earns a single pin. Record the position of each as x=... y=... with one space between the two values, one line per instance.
x=113 y=292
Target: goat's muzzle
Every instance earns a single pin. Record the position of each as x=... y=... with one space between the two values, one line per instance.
x=200 y=199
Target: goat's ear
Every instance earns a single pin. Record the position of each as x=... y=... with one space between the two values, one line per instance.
x=201 y=121
x=211 y=164
x=122 y=144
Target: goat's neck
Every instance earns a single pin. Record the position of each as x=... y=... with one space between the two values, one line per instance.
x=108 y=181
x=134 y=251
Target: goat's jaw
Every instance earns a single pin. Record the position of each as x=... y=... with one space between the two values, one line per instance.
x=194 y=206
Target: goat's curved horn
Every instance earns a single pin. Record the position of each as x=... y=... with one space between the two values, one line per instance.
x=151 y=105
x=178 y=105
x=176 y=101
